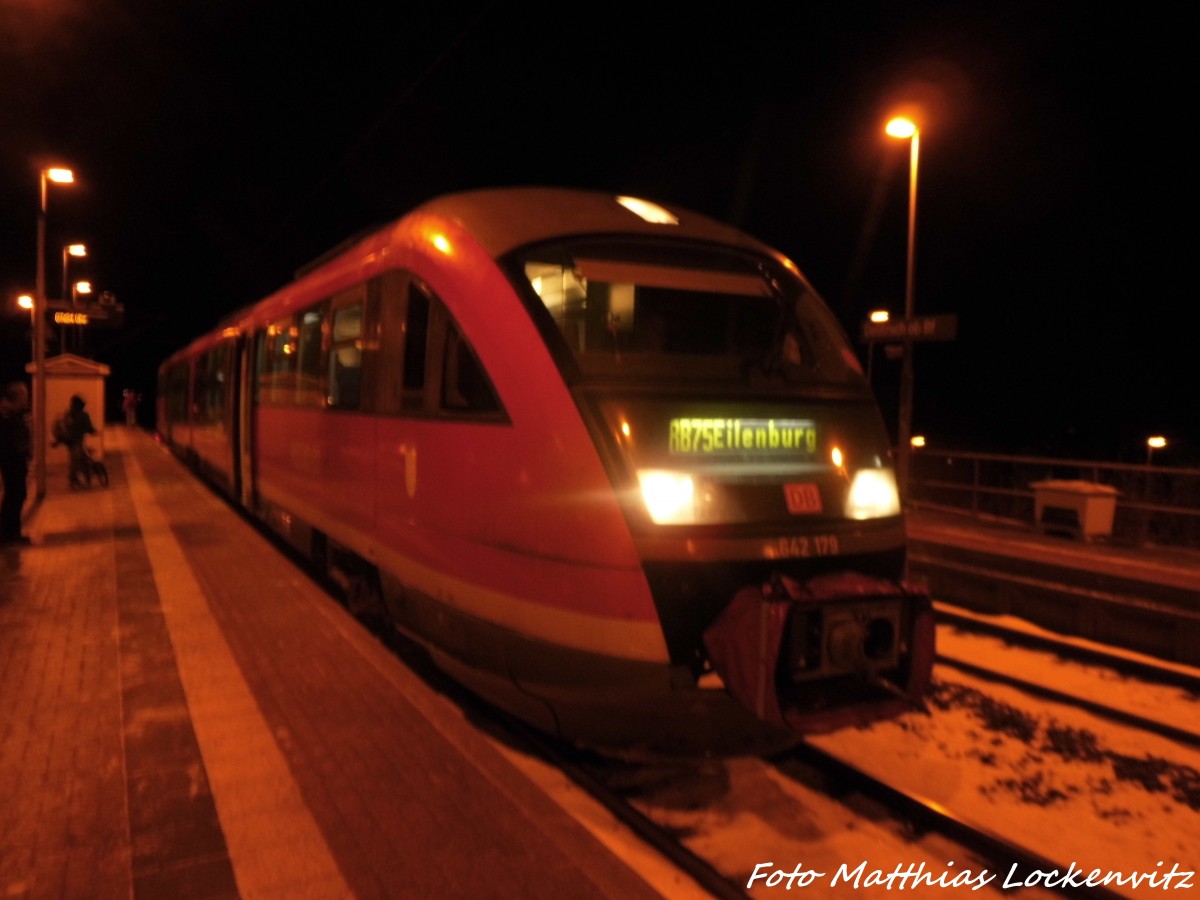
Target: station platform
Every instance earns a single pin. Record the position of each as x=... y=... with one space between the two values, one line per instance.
x=183 y=713
x=1147 y=568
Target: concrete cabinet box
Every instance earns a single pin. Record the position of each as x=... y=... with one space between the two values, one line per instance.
x=1082 y=509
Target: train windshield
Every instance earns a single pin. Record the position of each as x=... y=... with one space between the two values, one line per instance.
x=699 y=317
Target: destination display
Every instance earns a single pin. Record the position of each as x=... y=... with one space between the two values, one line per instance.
x=717 y=437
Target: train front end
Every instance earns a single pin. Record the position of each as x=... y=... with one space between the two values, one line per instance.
x=755 y=476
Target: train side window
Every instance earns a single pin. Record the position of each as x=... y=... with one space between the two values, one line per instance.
x=416 y=336
x=277 y=378
x=465 y=387
x=345 y=357
x=208 y=395
x=309 y=391
x=390 y=289
x=177 y=392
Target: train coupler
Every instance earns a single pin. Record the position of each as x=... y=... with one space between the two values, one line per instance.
x=838 y=649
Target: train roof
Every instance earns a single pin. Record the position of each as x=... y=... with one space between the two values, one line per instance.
x=502 y=219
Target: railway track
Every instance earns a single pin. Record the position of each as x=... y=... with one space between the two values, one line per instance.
x=1119 y=663
x=912 y=819
x=991 y=859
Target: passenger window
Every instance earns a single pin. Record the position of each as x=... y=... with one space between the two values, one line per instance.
x=278 y=375
x=389 y=372
x=345 y=357
x=308 y=362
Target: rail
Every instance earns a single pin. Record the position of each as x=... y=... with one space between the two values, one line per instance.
x=1155 y=504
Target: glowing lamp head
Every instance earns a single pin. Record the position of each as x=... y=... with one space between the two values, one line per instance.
x=900 y=127
x=669 y=496
x=60 y=176
x=25 y=301
x=77 y=250
x=1157 y=442
x=872 y=495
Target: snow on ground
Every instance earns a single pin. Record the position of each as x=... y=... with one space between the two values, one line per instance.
x=1044 y=775
x=1064 y=783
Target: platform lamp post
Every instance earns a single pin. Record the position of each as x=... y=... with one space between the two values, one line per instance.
x=904 y=128
x=878 y=316
x=77 y=250
x=79 y=287
x=1155 y=442
x=45 y=178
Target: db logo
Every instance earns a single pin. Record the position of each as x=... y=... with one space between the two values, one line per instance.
x=802 y=499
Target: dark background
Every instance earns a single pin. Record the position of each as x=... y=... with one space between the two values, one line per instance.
x=219 y=146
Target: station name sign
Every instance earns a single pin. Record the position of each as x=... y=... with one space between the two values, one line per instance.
x=918 y=328
x=94 y=314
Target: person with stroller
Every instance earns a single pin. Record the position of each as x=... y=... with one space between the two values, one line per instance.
x=72 y=427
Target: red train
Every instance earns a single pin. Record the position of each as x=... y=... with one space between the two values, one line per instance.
x=613 y=464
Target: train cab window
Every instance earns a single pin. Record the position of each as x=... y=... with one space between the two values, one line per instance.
x=646 y=312
x=345 y=355
x=308 y=358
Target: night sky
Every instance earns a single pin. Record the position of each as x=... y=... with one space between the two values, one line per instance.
x=219 y=146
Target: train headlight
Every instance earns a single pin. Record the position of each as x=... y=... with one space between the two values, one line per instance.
x=669 y=496
x=872 y=495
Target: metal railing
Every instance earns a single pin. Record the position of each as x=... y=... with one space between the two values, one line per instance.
x=1155 y=504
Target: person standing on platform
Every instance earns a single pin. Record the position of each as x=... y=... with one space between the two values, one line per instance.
x=71 y=429
x=15 y=444
x=129 y=403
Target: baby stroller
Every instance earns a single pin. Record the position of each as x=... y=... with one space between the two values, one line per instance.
x=92 y=468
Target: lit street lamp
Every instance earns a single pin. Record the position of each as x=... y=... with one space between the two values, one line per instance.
x=45 y=176
x=1157 y=442
x=77 y=250
x=70 y=250
x=878 y=316
x=902 y=128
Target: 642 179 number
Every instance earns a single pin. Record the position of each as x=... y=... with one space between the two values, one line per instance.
x=804 y=545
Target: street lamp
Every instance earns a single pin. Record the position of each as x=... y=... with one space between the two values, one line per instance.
x=45 y=178
x=77 y=250
x=1156 y=442
x=878 y=316
x=904 y=128
x=70 y=250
